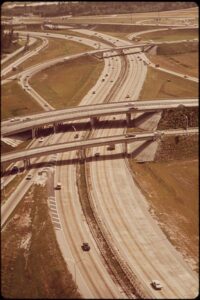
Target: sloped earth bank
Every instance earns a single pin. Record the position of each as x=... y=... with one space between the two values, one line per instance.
x=171 y=186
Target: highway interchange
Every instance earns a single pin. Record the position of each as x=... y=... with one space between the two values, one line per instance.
x=123 y=215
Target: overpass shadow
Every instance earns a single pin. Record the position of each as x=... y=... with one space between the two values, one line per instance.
x=145 y=116
x=111 y=156
x=140 y=149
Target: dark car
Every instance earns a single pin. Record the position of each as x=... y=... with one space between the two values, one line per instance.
x=85 y=247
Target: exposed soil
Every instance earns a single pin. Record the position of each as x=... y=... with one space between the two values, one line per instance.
x=32 y=264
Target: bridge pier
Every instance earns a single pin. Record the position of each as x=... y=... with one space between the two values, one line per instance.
x=126 y=148
x=55 y=127
x=82 y=155
x=26 y=163
x=93 y=121
x=33 y=133
x=128 y=119
x=2 y=169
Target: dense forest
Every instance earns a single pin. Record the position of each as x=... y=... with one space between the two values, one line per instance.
x=76 y=8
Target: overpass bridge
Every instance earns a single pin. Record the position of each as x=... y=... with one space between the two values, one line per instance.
x=92 y=112
x=81 y=145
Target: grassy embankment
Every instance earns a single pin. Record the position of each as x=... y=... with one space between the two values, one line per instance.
x=56 y=48
x=157 y=86
x=16 y=102
x=66 y=84
x=171 y=187
x=32 y=264
x=180 y=57
x=171 y=35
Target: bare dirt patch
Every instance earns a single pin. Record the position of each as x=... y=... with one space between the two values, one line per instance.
x=32 y=264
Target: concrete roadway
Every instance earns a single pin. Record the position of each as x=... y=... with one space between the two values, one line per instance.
x=124 y=212
x=27 y=55
x=120 y=170
x=84 y=112
x=76 y=145
x=11 y=55
x=92 y=278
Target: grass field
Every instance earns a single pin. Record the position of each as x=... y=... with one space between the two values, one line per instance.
x=16 y=102
x=32 y=265
x=177 y=87
x=66 y=84
x=172 y=190
x=56 y=48
x=171 y=35
x=179 y=57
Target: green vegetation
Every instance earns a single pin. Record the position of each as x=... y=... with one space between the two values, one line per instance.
x=67 y=83
x=32 y=264
x=171 y=35
x=177 y=87
x=171 y=188
x=16 y=102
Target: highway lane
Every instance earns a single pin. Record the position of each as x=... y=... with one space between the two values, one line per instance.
x=73 y=222
x=91 y=275
x=124 y=212
x=87 y=111
x=88 y=143
x=11 y=55
x=27 y=55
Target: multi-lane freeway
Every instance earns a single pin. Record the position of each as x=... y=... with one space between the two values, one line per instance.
x=83 y=144
x=136 y=239
x=17 y=125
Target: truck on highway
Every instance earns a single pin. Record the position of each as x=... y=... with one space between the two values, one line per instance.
x=58 y=187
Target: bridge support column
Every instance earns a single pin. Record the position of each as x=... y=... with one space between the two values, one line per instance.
x=2 y=169
x=82 y=155
x=126 y=148
x=128 y=119
x=33 y=133
x=54 y=127
x=93 y=121
x=26 y=163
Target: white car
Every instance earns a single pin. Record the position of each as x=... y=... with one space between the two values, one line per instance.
x=156 y=284
x=41 y=140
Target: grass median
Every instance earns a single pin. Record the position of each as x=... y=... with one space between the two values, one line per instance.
x=67 y=83
x=162 y=85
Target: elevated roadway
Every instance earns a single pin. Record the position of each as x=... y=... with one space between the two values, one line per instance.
x=83 y=144
x=91 y=111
